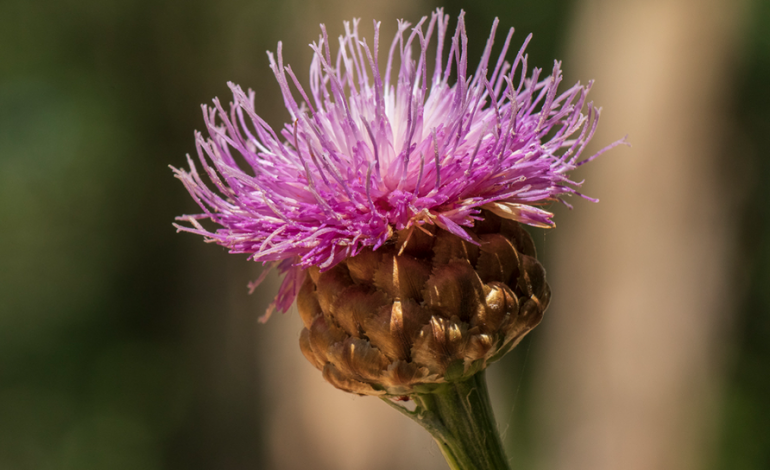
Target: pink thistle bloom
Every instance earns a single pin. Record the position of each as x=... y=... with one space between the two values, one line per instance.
x=364 y=157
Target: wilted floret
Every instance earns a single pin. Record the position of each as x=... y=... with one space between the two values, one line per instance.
x=366 y=156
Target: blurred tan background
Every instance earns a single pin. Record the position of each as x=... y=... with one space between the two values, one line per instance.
x=126 y=346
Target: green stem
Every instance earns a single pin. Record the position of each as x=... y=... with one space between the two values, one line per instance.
x=459 y=416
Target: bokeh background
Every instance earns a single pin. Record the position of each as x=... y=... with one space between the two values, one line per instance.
x=126 y=346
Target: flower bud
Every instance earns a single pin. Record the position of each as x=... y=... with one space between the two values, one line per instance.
x=424 y=309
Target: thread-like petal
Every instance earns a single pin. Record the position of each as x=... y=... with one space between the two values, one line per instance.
x=367 y=156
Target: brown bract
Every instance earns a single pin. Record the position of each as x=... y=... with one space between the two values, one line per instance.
x=425 y=309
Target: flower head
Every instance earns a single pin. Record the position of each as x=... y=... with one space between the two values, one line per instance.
x=368 y=154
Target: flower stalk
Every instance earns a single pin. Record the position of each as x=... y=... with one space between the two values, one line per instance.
x=459 y=416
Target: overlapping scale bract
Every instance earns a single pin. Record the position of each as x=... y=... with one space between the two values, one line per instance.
x=426 y=308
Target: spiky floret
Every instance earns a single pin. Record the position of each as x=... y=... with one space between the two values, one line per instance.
x=363 y=157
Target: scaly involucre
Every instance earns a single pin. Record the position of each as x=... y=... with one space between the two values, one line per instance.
x=363 y=157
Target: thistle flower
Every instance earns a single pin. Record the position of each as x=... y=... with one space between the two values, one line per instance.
x=393 y=207
x=366 y=156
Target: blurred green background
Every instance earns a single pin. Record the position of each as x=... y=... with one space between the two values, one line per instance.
x=114 y=353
